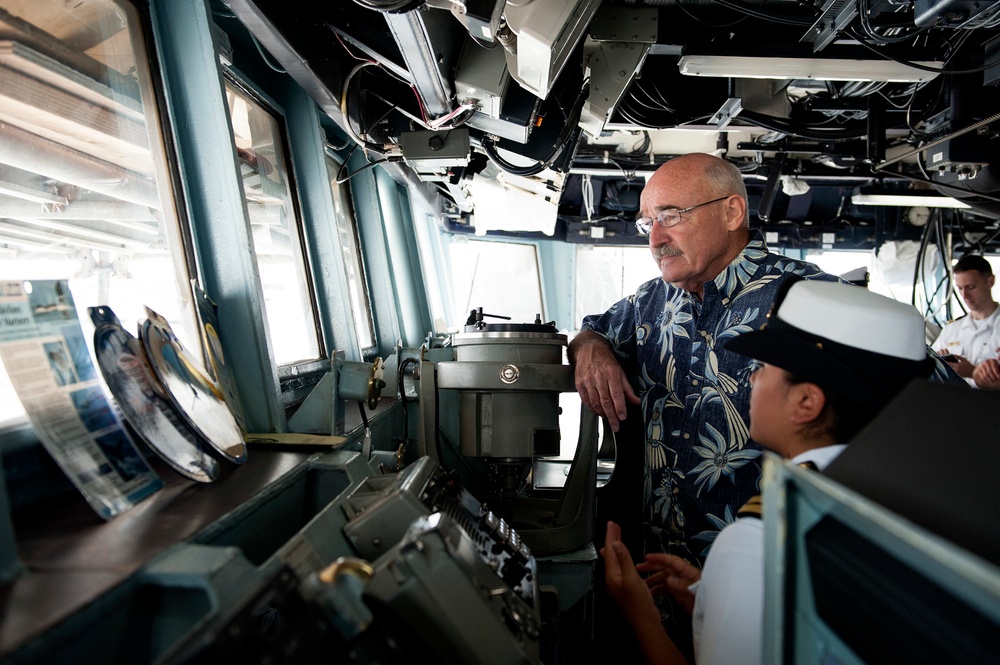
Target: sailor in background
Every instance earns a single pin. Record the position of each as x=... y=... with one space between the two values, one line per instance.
x=832 y=356
x=975 y=337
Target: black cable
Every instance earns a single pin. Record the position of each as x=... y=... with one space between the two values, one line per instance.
x=936 y=70
x=266 y=57
x=980 y=243
x=400 y=372
x=437 y=421
x=644 y=147
x=489 y=146
x=752 y=11
x=391 y=6
x=942 y=186
x=655 y=105
x=664 y=102
x=864 y=13
x=937 y=291
x=779 y=125
x=345 y=95
x=945 y=252
x=680 y=5
x=343 y=164
x=924 y=237
x=364 y=416
x=341 y=181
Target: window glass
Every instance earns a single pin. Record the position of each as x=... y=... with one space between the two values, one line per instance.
x=431 y=256
x=348 y=234
x=85 y=193
x=606 y=274
x=275 y=228
x=500 y=277
x=841 y=262
x=995 y=264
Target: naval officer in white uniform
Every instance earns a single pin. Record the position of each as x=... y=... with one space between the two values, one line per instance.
x=975 y=337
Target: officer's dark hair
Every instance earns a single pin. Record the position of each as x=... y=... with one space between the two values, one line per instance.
x=973 y=262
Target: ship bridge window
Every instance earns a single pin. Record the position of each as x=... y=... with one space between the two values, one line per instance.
x=890 y=272
x=501 y=277
x=275 y=226
x=350 y=245
x=606 y=274
x=85 y=190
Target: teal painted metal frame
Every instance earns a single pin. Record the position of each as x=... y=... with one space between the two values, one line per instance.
x=367 y=207
x=197 y=113
x=326 y=261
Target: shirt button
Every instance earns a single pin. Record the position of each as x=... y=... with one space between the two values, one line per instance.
x=686 y=435
x=694 y=382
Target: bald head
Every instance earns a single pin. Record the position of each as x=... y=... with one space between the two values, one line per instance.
x=714 y=225
x=718 y=176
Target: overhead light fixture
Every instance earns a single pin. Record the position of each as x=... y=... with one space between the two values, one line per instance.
x=820 y=69
x=908 y=200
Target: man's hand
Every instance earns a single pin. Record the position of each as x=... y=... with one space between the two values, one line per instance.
x=987 y=374
x=600 y=381
x=671 y=575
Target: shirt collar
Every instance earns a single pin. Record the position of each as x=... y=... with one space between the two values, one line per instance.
x=821 y=457
x=744 y=267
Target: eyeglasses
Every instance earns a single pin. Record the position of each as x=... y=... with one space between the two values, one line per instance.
x=669 y=217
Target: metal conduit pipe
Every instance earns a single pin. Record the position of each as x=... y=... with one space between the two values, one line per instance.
x=111 y=211
x=415 y=45
x=33 y=247
x=27 y=151
x=73 y=233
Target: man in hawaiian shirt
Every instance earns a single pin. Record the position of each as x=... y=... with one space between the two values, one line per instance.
x=718 y=280
x=663 y=348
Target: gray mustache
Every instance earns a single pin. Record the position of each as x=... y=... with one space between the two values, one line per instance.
x=664 y=250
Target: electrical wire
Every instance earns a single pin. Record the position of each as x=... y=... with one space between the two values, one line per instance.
x=941 y=185
x=915 y=65
x=864 y=19
x=919 y=264
x=343 y=165
x=490 y=148
x=750 y=10
x=400 y=375
x=367 y=145
x=781 y=125
x=680 y=5
x=369 y=165
x=391 y=6
x=587 y=192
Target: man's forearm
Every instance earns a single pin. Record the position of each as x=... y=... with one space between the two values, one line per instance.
x=582 y=340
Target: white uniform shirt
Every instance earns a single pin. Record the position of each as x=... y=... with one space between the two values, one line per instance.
x=728 y=621
x=975 y=340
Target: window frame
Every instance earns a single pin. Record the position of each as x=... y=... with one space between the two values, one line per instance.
x=369 y=350
x=304 y=366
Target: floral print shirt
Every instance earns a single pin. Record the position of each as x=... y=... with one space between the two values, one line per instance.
x=700 y=463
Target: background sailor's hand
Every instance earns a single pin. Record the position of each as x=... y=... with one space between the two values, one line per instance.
x=622 y=580
x=962 y=366
x=630 y=593
x=671 y=575
x=987 y=374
